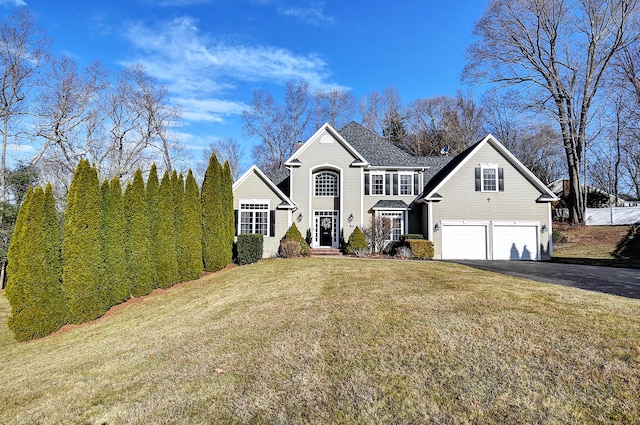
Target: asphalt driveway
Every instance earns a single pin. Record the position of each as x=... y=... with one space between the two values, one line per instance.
x=610 y=280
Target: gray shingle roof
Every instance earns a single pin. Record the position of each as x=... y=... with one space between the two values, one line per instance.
x=390 y=204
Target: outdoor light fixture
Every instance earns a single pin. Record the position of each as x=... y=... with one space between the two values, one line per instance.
x=350 y=218
x=436 y=227
x=299 y=219
x=544 y=228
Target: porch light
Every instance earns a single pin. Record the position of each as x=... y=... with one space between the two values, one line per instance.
x=350 y=218
x=436 y=227
x=543 y=229
x=299 y=219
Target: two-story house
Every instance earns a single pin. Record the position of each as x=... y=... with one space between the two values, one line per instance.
x=481 y=204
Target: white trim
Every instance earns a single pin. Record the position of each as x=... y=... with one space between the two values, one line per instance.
x=550 y=230
x=384 y=188
x=266 y=202
x=411 y=174
x=497 y=178
x=326 y=127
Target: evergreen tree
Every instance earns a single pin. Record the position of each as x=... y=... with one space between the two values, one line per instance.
x=139 y=261
x=81 y=248
x=115 y=274
x=55 y=304
x=227 y=210
x=166 y=240
x=152 y=202
x=191 y=235
x=214 y=236
x=181 y=243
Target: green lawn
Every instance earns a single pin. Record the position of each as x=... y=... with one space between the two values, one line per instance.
x=336 y=341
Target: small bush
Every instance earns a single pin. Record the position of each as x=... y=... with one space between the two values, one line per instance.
x=558 y=237
x=290 y=249
x=411 y=236
x=293 y=234
x=357 y=244
x=249 y=248
x=404 y=252
x=421 y=248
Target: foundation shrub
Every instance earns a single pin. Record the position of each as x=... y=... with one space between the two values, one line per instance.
x=249 y=248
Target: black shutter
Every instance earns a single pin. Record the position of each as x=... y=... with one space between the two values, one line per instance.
x=272 y=223
x=235 y=220
x=416 y=184
x=387 y=184
x=395 y=184
x=366 y=183
x=501 y=179
x=478 y=181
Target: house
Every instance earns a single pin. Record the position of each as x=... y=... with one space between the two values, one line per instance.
x=481 y=204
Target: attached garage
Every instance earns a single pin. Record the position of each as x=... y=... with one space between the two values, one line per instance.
x=515 y=242
x=482 y=241
x=464 y=241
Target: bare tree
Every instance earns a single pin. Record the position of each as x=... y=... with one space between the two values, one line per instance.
x=335 y=106
x=22 y=53
x=278 y=127
x=375 y=108
x=558 y=51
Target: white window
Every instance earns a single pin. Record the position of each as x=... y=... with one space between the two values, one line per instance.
x=377 y=184
x=254 y=217
x=326 y=184
x=396 y=220
x=406 y=184
x=490 y=179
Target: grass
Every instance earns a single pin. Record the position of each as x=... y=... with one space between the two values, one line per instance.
x=336 y=341
x=594 y=245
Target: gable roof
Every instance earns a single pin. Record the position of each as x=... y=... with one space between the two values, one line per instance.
x=286 y=202
x=430 y=191
x=359 y=160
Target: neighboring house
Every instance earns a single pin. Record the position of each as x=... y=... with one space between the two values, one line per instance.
x=482 y=204
x=561 y=189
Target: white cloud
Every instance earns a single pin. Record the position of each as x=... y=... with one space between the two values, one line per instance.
x=18 y=3
x=313 y=14
x=14 y=147
x=195 y=67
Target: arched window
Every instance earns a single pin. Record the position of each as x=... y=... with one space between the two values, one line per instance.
x=326 y=183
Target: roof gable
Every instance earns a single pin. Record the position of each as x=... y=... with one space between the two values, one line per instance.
x=286 y=202
x=359 y=160
x=440 y=179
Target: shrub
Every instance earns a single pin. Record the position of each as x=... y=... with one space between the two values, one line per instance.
x=293 y=234
x=290 y=249
x=411 y=236
x=421 y=248
x=558 y=237
x=404 y=252
x=357 y=244
x=249 y=248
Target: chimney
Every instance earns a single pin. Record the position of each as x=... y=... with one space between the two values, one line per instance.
x=299 y=145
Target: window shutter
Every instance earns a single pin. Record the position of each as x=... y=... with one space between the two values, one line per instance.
x=478 y=180
x=416 y=184
x=272 y=223
x=395 y=184
x=235 y=221
x=387 y=184
x=366 y=183
x=501 y=179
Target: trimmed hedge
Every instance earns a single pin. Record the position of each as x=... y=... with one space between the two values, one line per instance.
x=410 y=236
x=421 y=248
x=250 y=248
x=293 y=234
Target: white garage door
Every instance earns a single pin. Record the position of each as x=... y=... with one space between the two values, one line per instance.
x=464 y=242
x=515 y=242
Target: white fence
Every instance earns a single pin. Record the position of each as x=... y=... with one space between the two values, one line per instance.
x=613 y=216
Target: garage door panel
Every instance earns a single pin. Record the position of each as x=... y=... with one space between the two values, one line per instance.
x=464 y=242
x=515 y=243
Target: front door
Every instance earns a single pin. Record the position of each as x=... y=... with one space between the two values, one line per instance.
x=326 y=229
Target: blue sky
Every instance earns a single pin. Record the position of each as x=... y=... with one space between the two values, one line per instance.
x=212 y=54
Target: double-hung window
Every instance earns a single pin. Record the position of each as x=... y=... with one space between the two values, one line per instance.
x=490 y=179
x=406 y=183
x=377 y=183
x=396 y=224
x=254 y=217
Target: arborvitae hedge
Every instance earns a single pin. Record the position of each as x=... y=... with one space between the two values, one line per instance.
x=34 y=269
x=152 y=201
x=191 y=234
x=115 y=274
x=81 y=248
x=139 y=259
x=214 y=235
x=178 y=221
x=227 y=209
x=166 y=239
